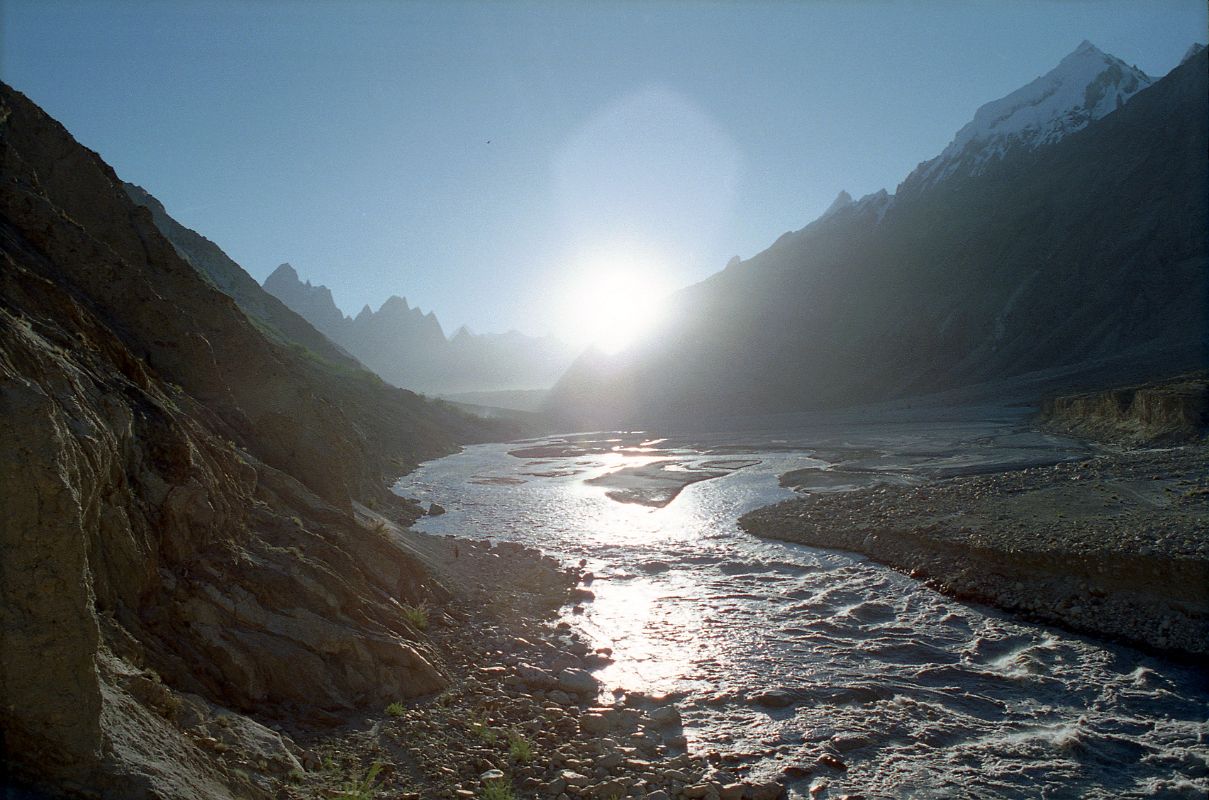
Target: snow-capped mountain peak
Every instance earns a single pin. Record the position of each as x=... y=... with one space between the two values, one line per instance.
x=1085 y=86
x=1191 y=52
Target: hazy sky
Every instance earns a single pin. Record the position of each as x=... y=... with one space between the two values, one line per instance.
x=485 y=160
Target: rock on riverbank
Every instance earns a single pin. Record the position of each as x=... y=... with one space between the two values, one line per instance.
x=1115 y=546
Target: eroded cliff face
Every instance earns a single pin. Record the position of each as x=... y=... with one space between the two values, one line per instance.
x=1167 y=412
x=176 y=493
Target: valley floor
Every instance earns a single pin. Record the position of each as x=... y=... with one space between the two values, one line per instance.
x=1116 y=545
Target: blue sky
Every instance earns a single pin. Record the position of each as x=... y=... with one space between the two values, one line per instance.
x=486 y=159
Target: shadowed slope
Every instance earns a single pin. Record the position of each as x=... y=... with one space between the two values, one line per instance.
x=176 y=492
x=273 y=316
x=1088 y=252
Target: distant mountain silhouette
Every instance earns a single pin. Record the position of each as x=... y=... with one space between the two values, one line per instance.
x=1076 y=245
x=408 y=348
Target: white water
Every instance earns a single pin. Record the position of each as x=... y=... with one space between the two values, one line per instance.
x=921 y=695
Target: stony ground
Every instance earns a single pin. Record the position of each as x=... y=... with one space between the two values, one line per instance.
x=1116 y=545
x=522 y=717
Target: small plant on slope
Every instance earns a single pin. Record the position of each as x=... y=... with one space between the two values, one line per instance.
x=497 y=790
x=416 y=615
x=362 y=789
x=482 y=730
x=519 y=748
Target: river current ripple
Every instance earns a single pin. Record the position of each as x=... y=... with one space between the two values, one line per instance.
x=919 y=694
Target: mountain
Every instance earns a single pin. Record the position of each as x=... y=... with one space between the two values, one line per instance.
x=1086 y=86
x=402 y=344
x=270 y=314
x=313 y=303
x=181 y=556
x=506 y=362
x=1073 y=261
x=408 y=348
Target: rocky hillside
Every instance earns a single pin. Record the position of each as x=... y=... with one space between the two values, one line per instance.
x=1086 y=253
x=1165 y=412
x=179 y=547
x=408 y=347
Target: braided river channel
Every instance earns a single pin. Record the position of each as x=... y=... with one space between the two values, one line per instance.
x=920 y=695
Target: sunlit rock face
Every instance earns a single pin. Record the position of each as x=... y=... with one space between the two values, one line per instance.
x=1079 y=262
x=176 y=530
x=1162 y=413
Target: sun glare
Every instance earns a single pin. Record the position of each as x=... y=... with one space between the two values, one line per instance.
x=614 y=307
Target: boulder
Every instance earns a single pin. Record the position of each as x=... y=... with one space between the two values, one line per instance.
x=773 y=698
x=577 y=681
x=665 y=717
x=535 y=677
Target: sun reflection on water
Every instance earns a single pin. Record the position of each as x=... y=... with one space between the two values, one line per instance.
x=691 y=605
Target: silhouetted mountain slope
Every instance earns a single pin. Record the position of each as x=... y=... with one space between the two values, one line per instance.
x=176 y=488
x=408 y=348
x=274 y=317
x=1090 y=250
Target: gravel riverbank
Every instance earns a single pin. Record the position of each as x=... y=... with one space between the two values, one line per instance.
x=522 y=716
x=1115 y=546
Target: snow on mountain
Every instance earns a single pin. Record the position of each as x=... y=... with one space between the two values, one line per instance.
x=1085 y=86
x=1195 y=48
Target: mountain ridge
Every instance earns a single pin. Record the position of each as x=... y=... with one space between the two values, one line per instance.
x=1085 y=86
x=1043 y=260
x=218 y=269
x=408 y=347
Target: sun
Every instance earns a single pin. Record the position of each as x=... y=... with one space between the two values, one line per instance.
x=613 y=307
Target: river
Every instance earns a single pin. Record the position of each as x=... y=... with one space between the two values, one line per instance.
x=919 y=694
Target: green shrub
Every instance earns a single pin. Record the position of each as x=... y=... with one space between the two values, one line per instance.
x=519 y=748
x=362 y=789
x=482 y=730
x=395 y=710
x=497 y=790
x=416 y=615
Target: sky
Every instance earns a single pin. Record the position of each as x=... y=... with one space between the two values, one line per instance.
x=494 y=161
